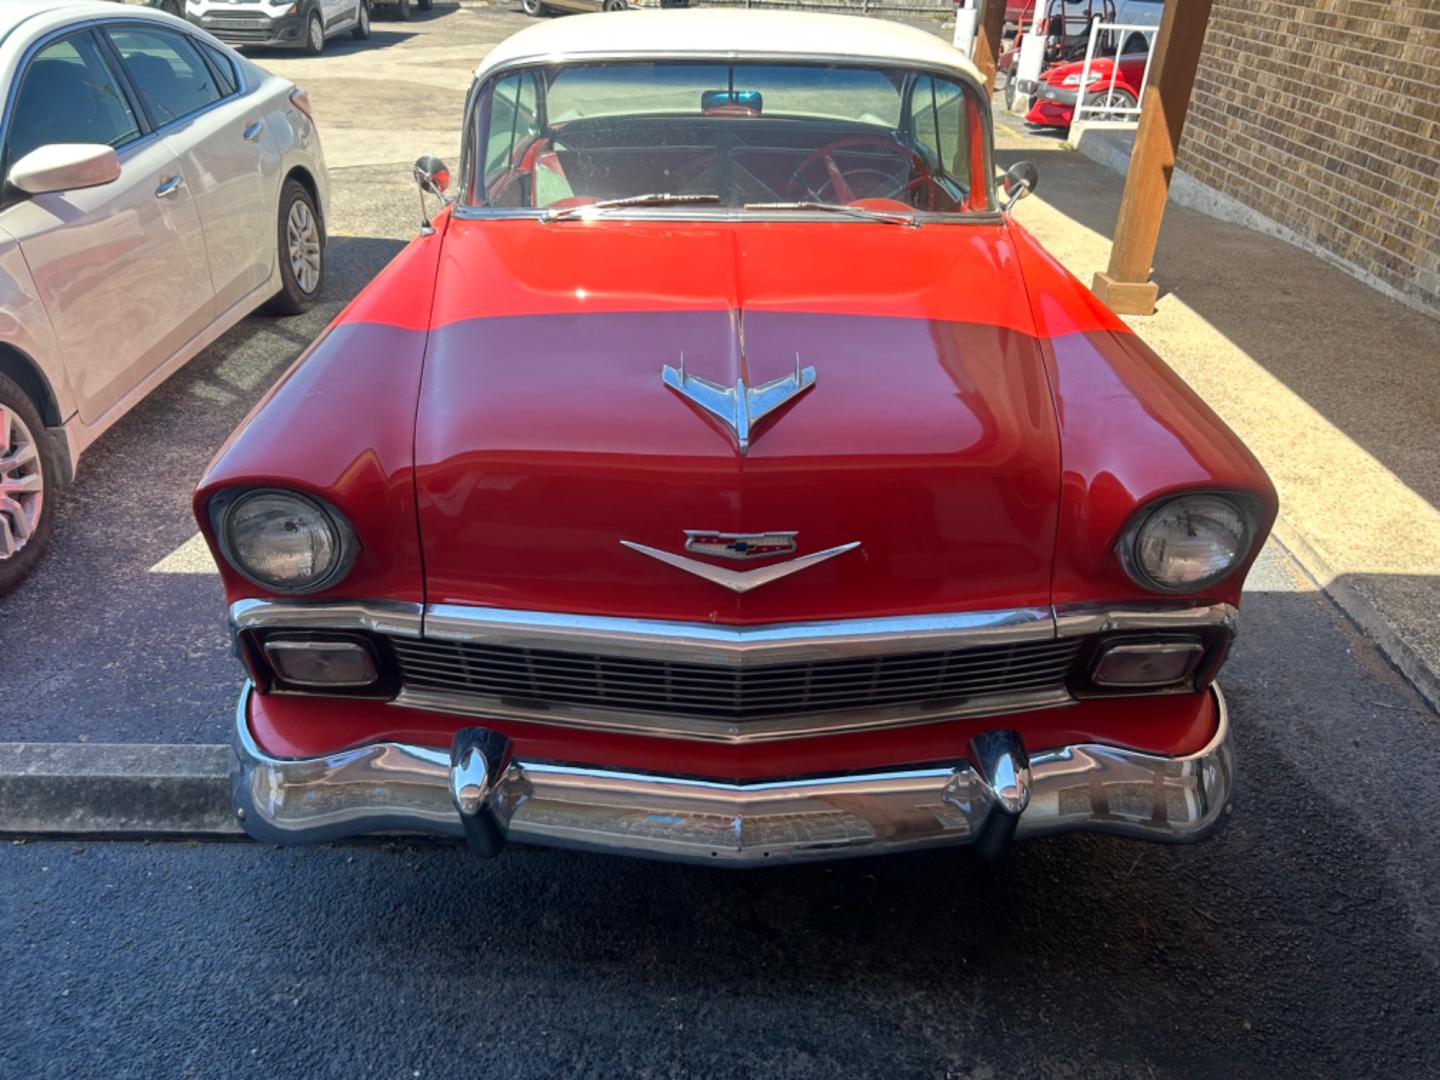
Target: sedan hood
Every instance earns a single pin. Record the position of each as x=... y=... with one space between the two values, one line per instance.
x=549 y=449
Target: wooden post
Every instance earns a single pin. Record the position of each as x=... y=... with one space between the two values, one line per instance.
x=987 y=40
x=1126 y=285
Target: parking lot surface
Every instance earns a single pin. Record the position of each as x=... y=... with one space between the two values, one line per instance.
x=1304 y=940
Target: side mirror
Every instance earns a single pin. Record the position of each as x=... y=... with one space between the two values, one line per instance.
x=65 y=167
x=1019 y=180
x=432 y=175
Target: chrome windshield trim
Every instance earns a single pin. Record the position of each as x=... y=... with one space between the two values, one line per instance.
x=1079 y=620
x=396 y=617
x=735 y=733
x=736 y=646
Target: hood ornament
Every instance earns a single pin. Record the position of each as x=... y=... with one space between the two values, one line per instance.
x=740 y=581
x=738 y=407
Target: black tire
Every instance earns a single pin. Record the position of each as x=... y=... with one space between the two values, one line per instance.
x=534 y=8
x=361 y=30
x=424 y=5
x=1116 y=99
x=17 y=567
x=614 y=5
x=293 y=298
x=173 y=7
x=403 y=11
x=314 y=35
x=1010 y=90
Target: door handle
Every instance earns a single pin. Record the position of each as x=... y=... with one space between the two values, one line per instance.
x=169 y=186
x=252 y=131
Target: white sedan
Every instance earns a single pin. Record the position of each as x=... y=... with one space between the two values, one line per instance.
x=157 y=188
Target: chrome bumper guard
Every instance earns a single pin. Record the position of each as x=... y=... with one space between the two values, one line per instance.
x=479 y=791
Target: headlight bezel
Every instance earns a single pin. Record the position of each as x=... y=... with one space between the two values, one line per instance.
x=224 y=505
x=1247 y=506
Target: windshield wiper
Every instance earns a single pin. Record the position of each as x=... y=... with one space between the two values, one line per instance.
x=655 y=198
x=890 y=217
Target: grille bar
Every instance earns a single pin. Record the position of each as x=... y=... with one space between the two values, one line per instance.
x=528 y=677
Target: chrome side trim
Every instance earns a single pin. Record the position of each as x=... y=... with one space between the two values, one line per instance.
x=377 y=616
x=1080 y=620
x=676 y=726
x=736 y=646
x=393 y=787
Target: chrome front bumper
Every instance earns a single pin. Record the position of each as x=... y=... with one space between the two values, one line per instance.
x=990 y=794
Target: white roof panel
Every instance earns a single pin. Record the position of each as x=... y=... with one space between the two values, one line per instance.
x=726 y=32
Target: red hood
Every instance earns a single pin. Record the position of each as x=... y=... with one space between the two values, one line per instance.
x=545 y=436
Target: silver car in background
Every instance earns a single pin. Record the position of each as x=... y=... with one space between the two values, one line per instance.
x=158 y=188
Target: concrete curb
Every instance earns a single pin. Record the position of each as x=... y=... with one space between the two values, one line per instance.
x=115 y=790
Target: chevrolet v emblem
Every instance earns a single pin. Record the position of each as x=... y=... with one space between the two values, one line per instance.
x=738 y=407
x=740 y=581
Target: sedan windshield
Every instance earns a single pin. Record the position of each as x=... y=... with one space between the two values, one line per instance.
x=580 y=140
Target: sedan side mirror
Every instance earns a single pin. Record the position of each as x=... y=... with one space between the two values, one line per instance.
x=65 y=167
x=1019 y=180
x=432 y=175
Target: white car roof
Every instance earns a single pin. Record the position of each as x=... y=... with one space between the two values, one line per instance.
x=728 y=33
x=48 y=14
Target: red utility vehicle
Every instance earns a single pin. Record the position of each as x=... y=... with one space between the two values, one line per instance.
x=1054 y=99
x=724 y=476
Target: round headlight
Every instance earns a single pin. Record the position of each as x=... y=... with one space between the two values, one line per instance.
x=1188 y=543
x=284 y=541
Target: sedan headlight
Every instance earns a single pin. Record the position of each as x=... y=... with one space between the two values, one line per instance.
x=285 y=541
x=1187 y=543
x=1072 y=79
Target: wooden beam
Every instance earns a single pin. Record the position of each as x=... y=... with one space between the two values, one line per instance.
x=987 y=40
x=1126 y=285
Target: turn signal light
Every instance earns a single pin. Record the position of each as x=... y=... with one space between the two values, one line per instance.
x=1142 y=664
x=321 y=663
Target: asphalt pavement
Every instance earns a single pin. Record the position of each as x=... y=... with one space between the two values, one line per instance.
x=1304 y=940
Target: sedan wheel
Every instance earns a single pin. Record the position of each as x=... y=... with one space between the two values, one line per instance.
x=1110 y=99
x=24 y=462
x=533 y=8
x=315 y=36
x=402 y=10
x=302 y=251
x=362 y=23
x=614 y=5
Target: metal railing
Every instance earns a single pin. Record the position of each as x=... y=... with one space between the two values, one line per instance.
x=1108 y=114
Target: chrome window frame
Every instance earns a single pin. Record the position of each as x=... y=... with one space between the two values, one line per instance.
x=464 y=209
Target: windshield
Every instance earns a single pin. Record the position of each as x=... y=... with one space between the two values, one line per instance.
x=686 y=137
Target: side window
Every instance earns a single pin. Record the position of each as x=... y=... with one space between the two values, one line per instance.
x=938 y=119
x=512 y=122
x=68 y=95
x=224 y=69
x=167 y=71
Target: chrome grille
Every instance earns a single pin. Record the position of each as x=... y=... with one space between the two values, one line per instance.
x=528 y=678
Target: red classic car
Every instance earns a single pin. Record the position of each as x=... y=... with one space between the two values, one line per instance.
x=1053 y=103
x=724 y=476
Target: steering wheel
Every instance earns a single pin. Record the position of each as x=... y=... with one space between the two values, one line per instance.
x=839 y=182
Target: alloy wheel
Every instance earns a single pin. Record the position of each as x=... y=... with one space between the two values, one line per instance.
x=317 y=35
x=302 y=237
x=22 y=486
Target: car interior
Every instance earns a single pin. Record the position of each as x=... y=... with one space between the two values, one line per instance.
x=730 y=148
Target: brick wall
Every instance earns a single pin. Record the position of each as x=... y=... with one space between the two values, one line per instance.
x=1324 y=116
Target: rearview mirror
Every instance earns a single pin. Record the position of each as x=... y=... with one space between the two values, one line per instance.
x=1019 y=180
x=65 y=167
x=432 y=174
